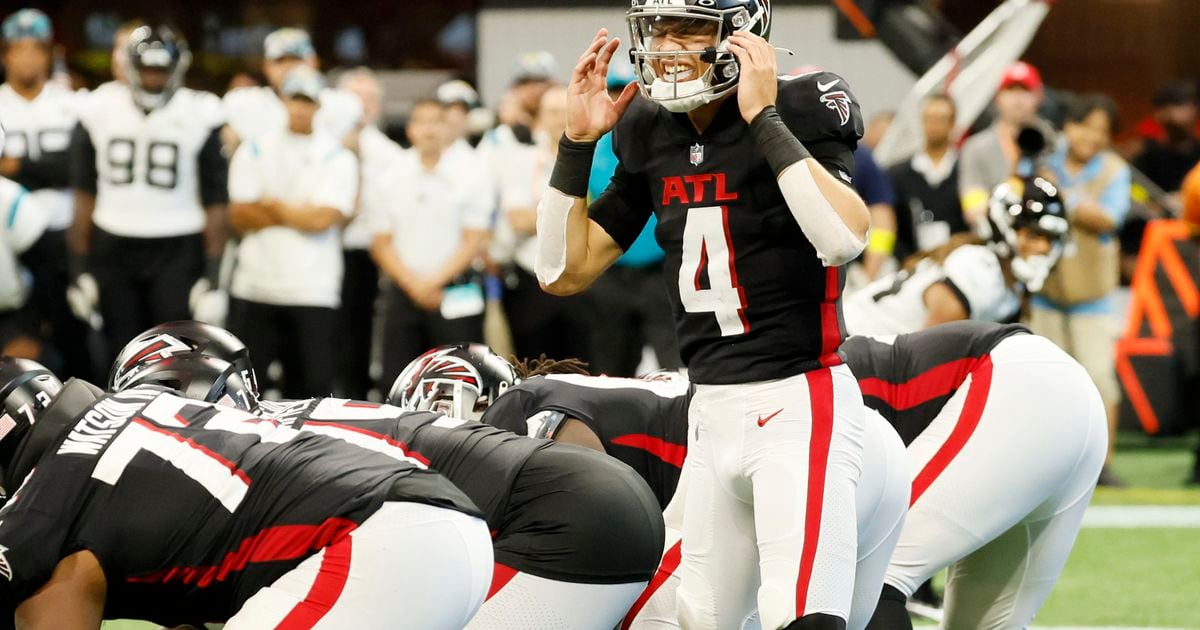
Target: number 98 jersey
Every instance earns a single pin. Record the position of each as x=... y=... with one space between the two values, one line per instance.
x=752 y=300
x=152 y=172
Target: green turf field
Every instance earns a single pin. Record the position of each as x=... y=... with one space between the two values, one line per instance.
x=1123 y=578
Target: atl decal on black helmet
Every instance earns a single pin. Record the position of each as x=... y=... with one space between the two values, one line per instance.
x=150 y=351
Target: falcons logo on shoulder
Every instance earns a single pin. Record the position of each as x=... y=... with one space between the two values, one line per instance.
x=839 y=102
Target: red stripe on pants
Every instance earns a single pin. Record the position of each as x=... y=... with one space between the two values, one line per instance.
x=325 y=590
x=820 y=395
x=977 y=394
x=666 y=569
x=501 y=576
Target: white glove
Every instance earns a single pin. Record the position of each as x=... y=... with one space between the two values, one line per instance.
x=83 y=296
x=208 y=304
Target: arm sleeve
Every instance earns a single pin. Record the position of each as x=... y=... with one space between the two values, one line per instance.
x=83 y=173
x=510 y=411
x=50 y=170
x=244 y=183
x=623 y=208
x=339 y=188
x=214 y=171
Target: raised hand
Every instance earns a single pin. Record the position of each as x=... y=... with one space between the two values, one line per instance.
x=757 y=83
x=591 y=112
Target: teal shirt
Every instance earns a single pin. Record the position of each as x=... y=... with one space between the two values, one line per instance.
x=645 y=250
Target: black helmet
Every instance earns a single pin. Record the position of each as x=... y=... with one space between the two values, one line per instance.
x=1033 y=204
x=459 y=381
x=651 y=20
x=26 y=388
x=179 y=338
x=156 y=48
x=198 y=377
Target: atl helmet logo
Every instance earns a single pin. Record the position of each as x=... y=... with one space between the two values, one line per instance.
x=149 y=352
x=839 y=102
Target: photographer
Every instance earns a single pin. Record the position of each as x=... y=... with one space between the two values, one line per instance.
x=992 y=156
x=1075 y=307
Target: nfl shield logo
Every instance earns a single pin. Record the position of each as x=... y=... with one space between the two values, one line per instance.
x=697 y=155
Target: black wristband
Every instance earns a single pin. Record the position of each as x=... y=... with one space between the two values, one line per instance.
x=776 y=141
x=573 y=168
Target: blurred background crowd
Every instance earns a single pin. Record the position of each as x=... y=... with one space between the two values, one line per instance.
x=390 y=204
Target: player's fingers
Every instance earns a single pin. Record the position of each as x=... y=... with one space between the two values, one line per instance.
x=583 y=68
x=594 y=48
x=605 y=57
x=742 y=49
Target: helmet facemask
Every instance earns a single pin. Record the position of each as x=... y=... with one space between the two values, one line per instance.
x=682 y=80
x=1008 y=214
x=155 y=56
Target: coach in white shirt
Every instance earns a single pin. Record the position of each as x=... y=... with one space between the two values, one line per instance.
x=289 y=194
x=433 y=228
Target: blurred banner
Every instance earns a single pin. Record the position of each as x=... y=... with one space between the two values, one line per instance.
x=969 y=73
x=1156 y=358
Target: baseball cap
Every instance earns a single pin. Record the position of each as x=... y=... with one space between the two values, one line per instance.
x=303 y=81
x=288 y=42
x=458 y=91
x=27 y=24
x=537 y=65
x=1022 y=75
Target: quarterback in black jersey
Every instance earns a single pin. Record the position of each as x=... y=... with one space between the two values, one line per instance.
x=749 y=177
x=146 y=505
x=1005 y=436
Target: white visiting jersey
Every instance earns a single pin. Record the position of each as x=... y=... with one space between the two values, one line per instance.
x=147 y=165
x=38 y=127
x=22 y=222
x=895 y=304
x=253 y=112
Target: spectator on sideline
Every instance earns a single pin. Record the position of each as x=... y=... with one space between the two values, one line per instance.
x=290 y=192
x=928 y=210
x=631 y=310
x=360 y=281
x=431 y=226
x=541 y=323
x=1075 y=307
x=1168 y=161
x=38 y=116
x=991 y=156
x=876 y=190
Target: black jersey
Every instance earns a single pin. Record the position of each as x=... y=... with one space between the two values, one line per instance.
x=909 y=378
x=642 y=423
x=752 y=300
x=189 y=507
x=481 y=460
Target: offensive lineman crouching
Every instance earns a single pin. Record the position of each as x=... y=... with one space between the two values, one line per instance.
x=145 y=505
x=576 y=534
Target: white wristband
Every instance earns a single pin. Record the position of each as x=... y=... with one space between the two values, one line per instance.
x=552 y=214
x=835 y=243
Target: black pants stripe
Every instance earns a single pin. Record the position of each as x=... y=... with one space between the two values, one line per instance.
x=360 y=289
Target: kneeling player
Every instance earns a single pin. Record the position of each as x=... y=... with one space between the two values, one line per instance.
x=576 y=535
x=146 y=505
x=644 y=423
x=1006 y=435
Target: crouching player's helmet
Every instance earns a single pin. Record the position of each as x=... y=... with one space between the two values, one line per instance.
x=678 y=47
x=460 y=381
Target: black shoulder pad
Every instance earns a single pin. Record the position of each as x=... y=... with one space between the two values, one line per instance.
x=819 y=106
x=76 y=397
x=635 y=126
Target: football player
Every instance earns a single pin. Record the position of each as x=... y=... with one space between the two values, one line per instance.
x=254 y=111
x=39 y=116
x=749 y=177
x=1006 y=435
x=146 y=505
x=577 y=535
x=151 y=189
x=643 y=422
x=970 y=277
